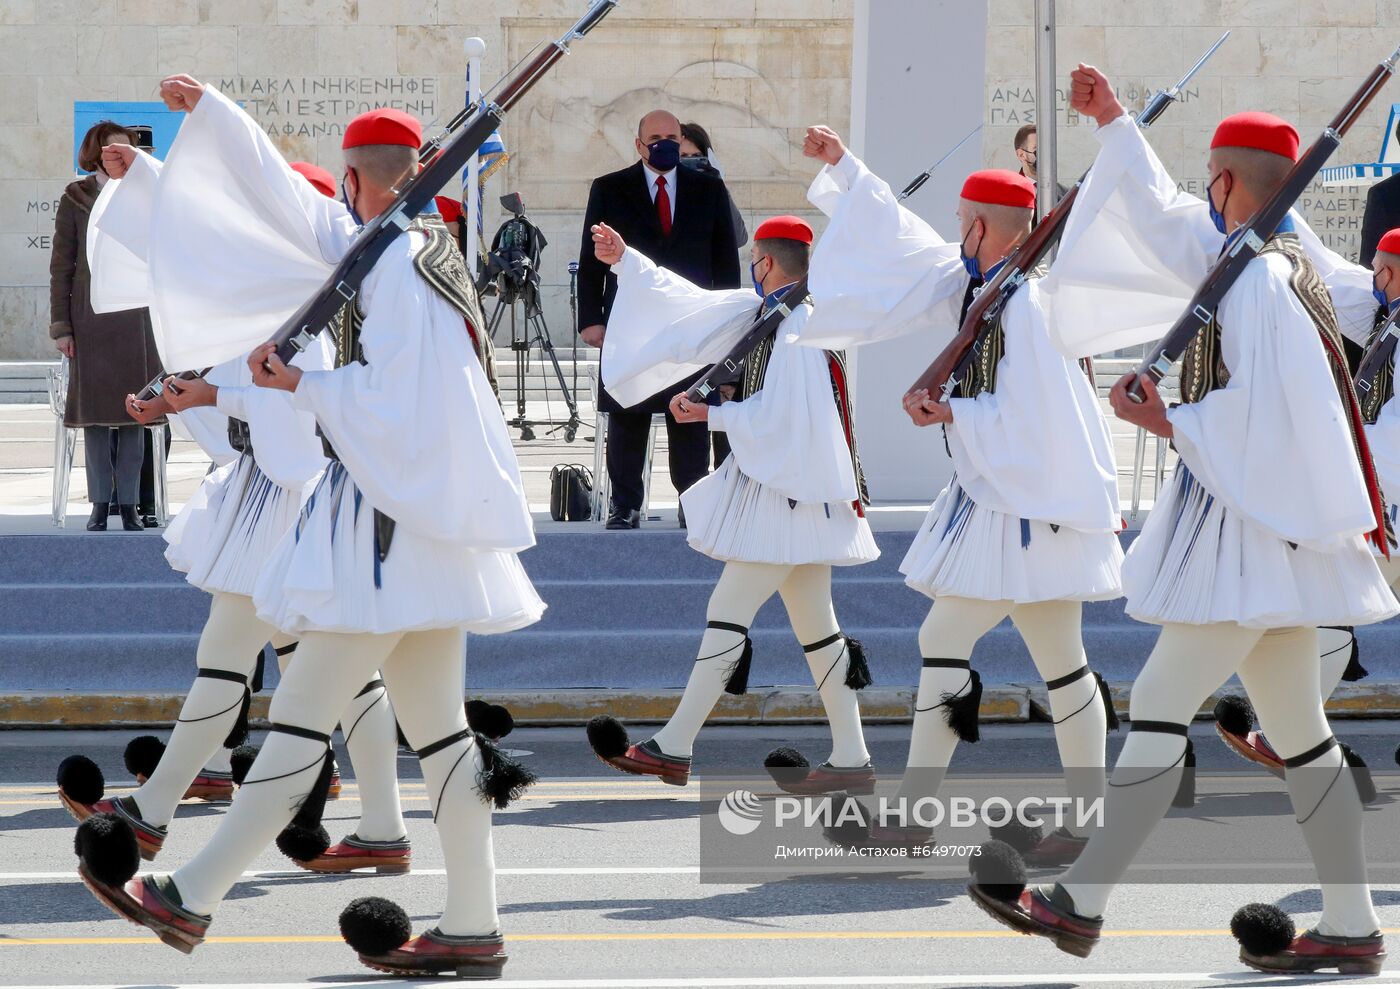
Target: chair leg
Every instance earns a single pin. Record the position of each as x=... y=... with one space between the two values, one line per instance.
x=162 y=505
x=651 y=454
x=602 y=488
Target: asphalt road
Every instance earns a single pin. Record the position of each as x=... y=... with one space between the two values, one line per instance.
x=599 y=887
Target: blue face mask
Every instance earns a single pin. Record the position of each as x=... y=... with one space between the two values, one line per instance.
x=1216 y=216
x=757 y=282
x=970 y=264
x=349 y=203
x=664 y=154
x=1380 y=296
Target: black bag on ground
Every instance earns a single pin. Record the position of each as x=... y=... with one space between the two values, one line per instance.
x=570 y=493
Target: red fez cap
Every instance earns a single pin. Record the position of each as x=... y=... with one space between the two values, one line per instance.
x=784 y=228
x=320 y=179
x=1258 y=130
x=449 y=208
x=1390 y=243
x=383 y=126
x=998 y=187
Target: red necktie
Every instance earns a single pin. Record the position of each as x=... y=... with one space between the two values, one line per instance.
x=663 y=205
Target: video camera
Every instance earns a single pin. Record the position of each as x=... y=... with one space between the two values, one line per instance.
x=512 y=269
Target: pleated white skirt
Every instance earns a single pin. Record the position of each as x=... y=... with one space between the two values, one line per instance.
x=1197 y=562
x=226 y=533
x=730 y=516
x=965 y=550
x=325 y=575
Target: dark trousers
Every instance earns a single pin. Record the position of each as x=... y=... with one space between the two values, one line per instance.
x=113 y=469
x=628 y=433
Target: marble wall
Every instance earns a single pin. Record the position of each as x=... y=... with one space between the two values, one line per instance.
x=755 y=72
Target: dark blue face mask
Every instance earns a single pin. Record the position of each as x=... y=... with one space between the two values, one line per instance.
x=757 y=282
x=350 y=203
x=1380 y=296
x=971 y=265
x=1216 y=216
x=697 y=162
x=665 y=154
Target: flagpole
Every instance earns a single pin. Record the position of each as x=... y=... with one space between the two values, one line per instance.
x=475 y=48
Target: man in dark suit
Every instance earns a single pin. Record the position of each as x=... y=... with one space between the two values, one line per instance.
x=1382 y=214
x=681 y=219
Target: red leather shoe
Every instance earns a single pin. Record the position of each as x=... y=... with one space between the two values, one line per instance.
x=827 y=778
x=149 y=837
x=210 y=786
x=1059 y=847
x=1253 y=747
x=433 y=952
x=145 y=903
x=1037 y=912
x=357 y=853
x=647 y=759
x=1313 y=952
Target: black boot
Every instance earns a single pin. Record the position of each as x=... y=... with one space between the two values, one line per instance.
x=130 y=521
x=97 y=521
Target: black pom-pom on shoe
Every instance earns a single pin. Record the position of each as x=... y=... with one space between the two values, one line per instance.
x=373 y=925
x=106 y=845
x=142 y=755
x=240 y=761
x=998 y=870
x=607 y=736
x=1021 y=837
x=492 y=720
x=1235 y=715
x=301 y=844
x=786 y=765
x=1262 y=928
x=80 y=779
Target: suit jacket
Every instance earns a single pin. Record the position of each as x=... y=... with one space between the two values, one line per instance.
x=1382 y=215
x=701 y=246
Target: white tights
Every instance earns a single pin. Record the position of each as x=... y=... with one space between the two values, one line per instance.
x=1051 y=632
x=424 y=675
x=231 y=639
x=742 y=589
x=1188 y=663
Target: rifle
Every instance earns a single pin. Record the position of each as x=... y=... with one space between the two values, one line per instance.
x=466 y=133
x=918 y=182
x=1247 y=241
x=723 y=371
x=948 y=367
x=1380 y=353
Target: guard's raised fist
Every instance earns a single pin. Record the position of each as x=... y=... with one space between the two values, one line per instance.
x=824 y=144
x=117 y=159
x=181 y=92
x=1091 y=94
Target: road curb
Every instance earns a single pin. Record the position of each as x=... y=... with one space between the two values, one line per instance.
x=574 y=706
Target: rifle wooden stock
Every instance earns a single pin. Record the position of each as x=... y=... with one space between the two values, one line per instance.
x=721 y=371
x=1248 y=240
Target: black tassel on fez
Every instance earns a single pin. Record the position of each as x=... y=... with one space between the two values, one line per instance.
x=961 y=710
x=238 y=734
x=857 y=669
x=1186 y=789
x=738 y=680
x=1109 y=714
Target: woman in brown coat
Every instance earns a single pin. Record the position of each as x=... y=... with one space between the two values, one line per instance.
x=110 y=355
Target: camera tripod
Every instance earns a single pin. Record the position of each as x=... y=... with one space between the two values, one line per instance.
x=535 y=334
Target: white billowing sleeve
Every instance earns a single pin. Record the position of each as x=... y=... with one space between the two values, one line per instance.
x=418 y=427
x=208 y=426
x=1135 y=250
x=285 y=445
x=1384 y=438
x=1038 y=446
x=118 y=236
x=1274 y=444
x=788 y=435
x=878 y=271
x=663 y=328
x=238 y=241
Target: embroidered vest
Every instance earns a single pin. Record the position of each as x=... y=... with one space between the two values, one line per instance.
x=1383 y=389
x=978 y=372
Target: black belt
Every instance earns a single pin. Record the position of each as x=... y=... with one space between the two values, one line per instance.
x=240 y=437
x=383 y=525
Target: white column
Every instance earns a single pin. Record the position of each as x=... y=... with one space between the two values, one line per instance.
x=917 y=88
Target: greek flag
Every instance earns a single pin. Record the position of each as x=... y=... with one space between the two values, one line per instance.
x=491 y=158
